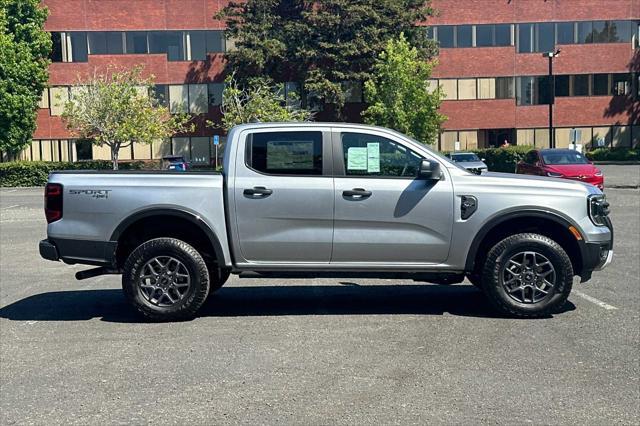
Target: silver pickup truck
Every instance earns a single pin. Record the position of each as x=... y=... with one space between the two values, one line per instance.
x=331 y=200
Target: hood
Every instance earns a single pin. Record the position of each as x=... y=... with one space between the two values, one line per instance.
x=571 y=170
x=472 y=164
x=533 y=184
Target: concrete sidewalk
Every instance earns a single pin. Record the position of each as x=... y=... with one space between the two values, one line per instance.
x=621 y=176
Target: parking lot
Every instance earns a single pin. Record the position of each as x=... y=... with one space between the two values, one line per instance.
x=313 y=351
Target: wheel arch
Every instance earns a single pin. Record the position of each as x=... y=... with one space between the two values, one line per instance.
x=195 y=227
x=543 y=221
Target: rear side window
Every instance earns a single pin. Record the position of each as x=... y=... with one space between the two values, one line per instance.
x=285 y=153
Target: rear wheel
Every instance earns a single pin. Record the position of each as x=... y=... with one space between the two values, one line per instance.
x=527 y=275
x=166 y=279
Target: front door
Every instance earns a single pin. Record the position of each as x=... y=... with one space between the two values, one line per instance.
x=383 y=213
x=284 y=197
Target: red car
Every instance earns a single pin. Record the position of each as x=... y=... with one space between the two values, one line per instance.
x=561 y=163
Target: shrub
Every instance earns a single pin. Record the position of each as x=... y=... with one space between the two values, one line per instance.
x=614 y=154
x=36 y=173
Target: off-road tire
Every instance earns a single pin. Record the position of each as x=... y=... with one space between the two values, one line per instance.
x=502 y=252
x=194 y=297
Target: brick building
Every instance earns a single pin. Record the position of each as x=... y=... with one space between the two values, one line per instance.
x=491 y=68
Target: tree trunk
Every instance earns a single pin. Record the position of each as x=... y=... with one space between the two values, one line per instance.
x=114 y=155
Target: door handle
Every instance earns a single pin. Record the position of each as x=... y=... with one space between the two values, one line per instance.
x=357 y=193
x=258 y=190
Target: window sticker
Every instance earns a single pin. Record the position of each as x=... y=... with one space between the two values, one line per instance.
x=357 y=158
x=373 y=157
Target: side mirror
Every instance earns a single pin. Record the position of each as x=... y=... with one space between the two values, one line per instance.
x=429 y=170
x=483 y=160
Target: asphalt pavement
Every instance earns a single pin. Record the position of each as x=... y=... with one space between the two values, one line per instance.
x=314 y=351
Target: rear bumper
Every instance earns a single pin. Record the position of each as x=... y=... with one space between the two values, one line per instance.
x=48 y=250
x=99 y=253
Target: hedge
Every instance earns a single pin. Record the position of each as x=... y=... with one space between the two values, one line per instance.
x=35 y=173
x=614 y=154
x=503 y=159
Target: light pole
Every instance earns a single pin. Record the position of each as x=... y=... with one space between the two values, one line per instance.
x=552 y=96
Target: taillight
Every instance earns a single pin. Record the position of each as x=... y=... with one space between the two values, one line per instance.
x=53 y=202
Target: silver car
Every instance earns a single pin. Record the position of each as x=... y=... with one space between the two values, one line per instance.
x=469 y=161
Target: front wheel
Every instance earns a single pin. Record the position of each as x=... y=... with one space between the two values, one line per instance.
x=527 y=276
x=166 y=279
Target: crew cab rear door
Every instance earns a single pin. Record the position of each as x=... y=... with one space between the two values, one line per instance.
x=283 y=195
x=384 y=214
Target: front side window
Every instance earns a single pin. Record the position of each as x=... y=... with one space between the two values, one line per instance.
x=285 y=153
x=371 y=155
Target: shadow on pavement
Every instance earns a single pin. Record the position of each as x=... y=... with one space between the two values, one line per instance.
x=110 y=305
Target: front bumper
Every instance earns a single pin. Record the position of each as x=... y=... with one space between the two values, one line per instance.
x=596 y=255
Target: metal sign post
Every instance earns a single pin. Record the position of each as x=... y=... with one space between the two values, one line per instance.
x=216 y=142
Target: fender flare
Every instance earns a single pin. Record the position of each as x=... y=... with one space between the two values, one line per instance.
x=515 y=213
x=181 y=213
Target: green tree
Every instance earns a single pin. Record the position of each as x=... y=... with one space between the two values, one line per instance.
x=319 y=44
x=24 y=53
x=258 y=101
x=119 y=109
x=398 y=94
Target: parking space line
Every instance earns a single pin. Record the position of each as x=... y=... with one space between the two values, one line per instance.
x=10 y=207
x=591 y=299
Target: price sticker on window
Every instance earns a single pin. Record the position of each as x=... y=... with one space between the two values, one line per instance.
x=357 y=158
x=373 y=157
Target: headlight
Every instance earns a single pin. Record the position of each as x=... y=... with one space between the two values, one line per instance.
x=598 y=209
x=554 y=174
x=598 y=173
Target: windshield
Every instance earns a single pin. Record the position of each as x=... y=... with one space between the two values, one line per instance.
x=563 y=157
x=464 y=158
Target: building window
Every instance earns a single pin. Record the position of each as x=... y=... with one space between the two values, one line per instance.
x=464 y=36
x=562 y=85
x=196 y=41
x=56 y=47
x=621 y=84
x=486 y=88
x=565 y=33
x=532 y=90
x=600 y=32
x=525 y=38
x=584 y=33
x=106 y=43
x=620 y=31
x=198 y=99
x=467 y=88
x=446 y=36
x=600 y=84
x=136 y=42
x=505 y=88
x=545 y=37
x=503 y=35
x=215 y=41
x=161 y=94
x=169 y=42
x=69 y=46
x=178 y=98
x=581 y=85
x=449 y=89
x=484 y=35
x=215 y=91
